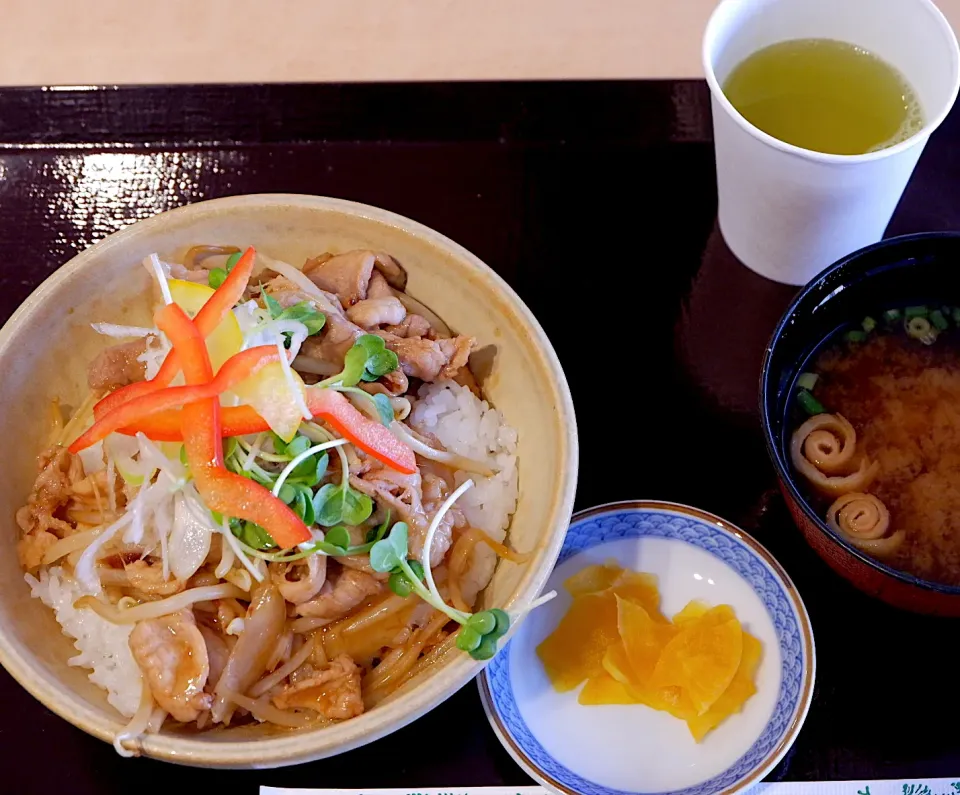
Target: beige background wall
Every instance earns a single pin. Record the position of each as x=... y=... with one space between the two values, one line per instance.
x=157 y=41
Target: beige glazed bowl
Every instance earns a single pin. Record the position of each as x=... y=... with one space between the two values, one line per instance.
x=44 y=350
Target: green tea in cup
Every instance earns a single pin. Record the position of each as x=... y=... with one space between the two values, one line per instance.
x=826 y=96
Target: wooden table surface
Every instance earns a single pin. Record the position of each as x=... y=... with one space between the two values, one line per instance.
x=103 y=42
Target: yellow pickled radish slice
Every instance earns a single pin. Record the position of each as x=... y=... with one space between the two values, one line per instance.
x=226 y=339
x=268 y=391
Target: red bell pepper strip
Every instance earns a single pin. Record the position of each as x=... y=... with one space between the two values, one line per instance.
x=208 y=318
x=369 y=436
x=222 y=491
x=362 y=432
x=233 y=371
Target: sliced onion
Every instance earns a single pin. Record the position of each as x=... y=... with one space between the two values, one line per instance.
x=265 y=712
x=299 y=278
x=263 y=624
x=271 y=681
x=314 y=366
x=121 y=450
x=226 y=560
x=120 y=332
x=161 y=272
x=85 y=570
x=138 y=724
x=189 y=541
x=152 y=456
x=440 y=456
x=92 y=459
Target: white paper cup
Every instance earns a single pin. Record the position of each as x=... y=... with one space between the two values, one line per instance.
x=786 y=212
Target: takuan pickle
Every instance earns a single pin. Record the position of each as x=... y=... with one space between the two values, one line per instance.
x=700 y=666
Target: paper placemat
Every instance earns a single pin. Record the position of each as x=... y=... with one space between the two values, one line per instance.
x=929 y=786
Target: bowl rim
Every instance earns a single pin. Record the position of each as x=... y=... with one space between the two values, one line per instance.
x=767 y=386
x=297 y=747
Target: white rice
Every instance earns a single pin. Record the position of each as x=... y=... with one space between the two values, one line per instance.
x=103 y=647
x=470 y=427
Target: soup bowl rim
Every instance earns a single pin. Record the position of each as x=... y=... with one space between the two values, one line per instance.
x=783 y=467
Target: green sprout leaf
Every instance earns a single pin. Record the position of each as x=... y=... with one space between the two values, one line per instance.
x=328 y=510
x=216 y=277
x=339 y=504
x=378 y=532
x=486 y=649
x=483 y=622
x=310 y=471
x=400 y=582
x=254 y=536
x=388 y=553
x=306 y=314
x=367 y=360
x=384 y=409
x=302 y=313
x=287 y=493
x=300 y=498
x=357 y=507
x=272 y=304
x=297 y=446
x=354 y=364
x=230 y=446
x=468 y=639
x=338 y=536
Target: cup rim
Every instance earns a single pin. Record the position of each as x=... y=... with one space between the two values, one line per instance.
x=772 y=442
x=824 y=157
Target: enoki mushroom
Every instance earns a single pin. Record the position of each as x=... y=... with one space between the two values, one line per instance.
x=863 y=520
x=823 y=450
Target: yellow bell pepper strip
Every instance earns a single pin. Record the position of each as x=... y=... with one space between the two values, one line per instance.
x=222 y=491
x=234 y=370
x=208 y=318
x=371 y=437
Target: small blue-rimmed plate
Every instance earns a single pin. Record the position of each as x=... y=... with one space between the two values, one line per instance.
x=622 y=750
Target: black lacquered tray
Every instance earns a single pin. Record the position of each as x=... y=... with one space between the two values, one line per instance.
x=597 y=203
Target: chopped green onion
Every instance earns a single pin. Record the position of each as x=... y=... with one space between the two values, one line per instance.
x=955 y=315
x=919 y=328
x=869 y=324
x=892 y=315
x=915 y=311
x=808 y=381
x=855 y=335
x=938 y=320
x=809 y=403
x=216 y=277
